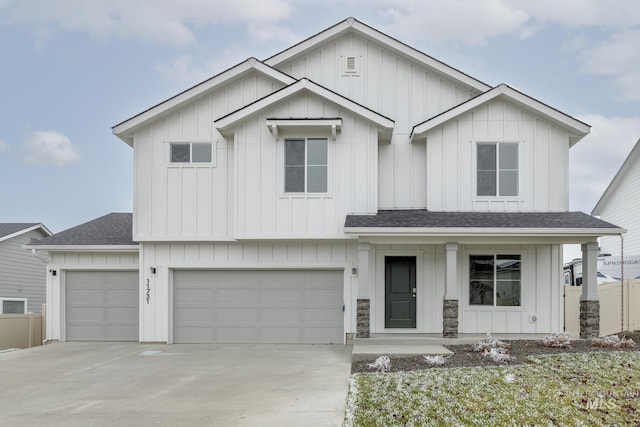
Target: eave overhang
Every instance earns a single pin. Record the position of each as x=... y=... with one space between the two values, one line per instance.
x=84 y=248
x=126 y=129
x=576 y=128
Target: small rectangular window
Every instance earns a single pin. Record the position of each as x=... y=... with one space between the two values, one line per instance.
x=191 y=152
x=497 y=169
x=306 y=166
x=13 y=306
x=495 y=280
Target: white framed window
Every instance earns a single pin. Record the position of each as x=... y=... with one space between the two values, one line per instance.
x=13 y=305
x=497 y=169
x=306 y=165
x=191 y=152
x=495 y=280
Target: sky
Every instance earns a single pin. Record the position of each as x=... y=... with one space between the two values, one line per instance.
x=71 y=69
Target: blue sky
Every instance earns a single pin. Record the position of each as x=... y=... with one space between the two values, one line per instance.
x=71 y=69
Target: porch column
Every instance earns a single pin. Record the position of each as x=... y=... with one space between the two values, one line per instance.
x=450 y=307
x=589 y=301
x=363 y=303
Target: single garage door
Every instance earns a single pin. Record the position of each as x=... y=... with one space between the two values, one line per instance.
x=101 y=306
x=266 y=306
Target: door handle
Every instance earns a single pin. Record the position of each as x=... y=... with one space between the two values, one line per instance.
x=414 y=292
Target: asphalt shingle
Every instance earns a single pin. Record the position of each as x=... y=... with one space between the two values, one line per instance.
x=111 y=229
x=420 y=218
x=7 y=228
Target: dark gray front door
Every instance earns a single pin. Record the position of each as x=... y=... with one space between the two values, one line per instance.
x=400 y=296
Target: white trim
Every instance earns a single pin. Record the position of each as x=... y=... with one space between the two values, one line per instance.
x=475 y=232
x=226 y=123
x=3 y=299
x=26 y=230
x=577 y=128
x=125 y=129
x=85 y=248
x=355 y=26
x=333 y=124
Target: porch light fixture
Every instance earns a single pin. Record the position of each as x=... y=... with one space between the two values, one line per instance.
x=152 y=270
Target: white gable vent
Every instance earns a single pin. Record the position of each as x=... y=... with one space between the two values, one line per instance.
x=351 y=65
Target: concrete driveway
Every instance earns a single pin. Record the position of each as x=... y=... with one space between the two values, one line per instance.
x=100 y=384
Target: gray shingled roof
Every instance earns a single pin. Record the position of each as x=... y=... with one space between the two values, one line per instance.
x=111 y=229
x=419 y=218
x=7 y=228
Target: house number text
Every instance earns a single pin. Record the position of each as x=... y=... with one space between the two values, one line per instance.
x=148 y=294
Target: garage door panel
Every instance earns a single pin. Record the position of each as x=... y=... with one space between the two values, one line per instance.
x=281 y=297
x=206 y=296
x=101 y=306
x=332 y=316
x=238 y=315
x=237 y=297
x=270 y=306
x=238 y=334
x=194 y=314
x=327 y=297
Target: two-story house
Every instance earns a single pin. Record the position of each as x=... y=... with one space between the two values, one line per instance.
x=348 y=184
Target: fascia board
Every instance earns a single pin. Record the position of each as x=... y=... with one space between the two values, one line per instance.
x=26 y=230
x=566 y=121
x=382 y=39
x=617 y=180
x=477 y=232
x=124 y=130
x=228 y=121
x=84 y=248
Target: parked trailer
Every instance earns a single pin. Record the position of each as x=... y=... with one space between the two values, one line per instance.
x=609 y=269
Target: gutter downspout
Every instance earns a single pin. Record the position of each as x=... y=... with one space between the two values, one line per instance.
x=40 y=257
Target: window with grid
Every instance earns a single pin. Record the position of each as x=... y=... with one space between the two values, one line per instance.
x=306 y=167
x=495 y=280
x=497 y=169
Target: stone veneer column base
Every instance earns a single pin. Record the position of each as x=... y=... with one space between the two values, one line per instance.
x=450 y=318
x=362 y=318
x=589 y=319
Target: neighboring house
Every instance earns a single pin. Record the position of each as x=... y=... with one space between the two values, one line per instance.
x=620 y=203
x=348 y=184
x=22 y=276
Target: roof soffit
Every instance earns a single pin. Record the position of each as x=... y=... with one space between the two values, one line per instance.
x=352 y=25
x=126 y=129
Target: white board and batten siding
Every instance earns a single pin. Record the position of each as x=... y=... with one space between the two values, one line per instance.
x=622 y=210
x=182 y=201
x=451 y=160
x=541 y=293
x=21 y=274
x=97 y=265
x=396 y=87
x=171 y=260
x=264 y=210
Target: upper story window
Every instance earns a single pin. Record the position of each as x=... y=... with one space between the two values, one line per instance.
x=305 y=165
x=497 y=169
x=495 y=280
x=191 y=152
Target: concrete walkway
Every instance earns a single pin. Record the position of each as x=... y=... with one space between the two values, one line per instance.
x=107 y=384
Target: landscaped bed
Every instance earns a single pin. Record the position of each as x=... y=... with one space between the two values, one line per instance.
x=579 y=385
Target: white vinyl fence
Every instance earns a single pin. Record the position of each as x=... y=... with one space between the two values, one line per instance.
x=611 y=295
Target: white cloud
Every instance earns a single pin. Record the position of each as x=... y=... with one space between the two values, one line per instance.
x=189 y=69
x=50 y=148
x=595 y=160
x=469 y=21
x=164 y=22
x=3 y=145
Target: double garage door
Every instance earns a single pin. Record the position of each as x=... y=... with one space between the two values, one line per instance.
x=101 y=306
x=258 y=306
